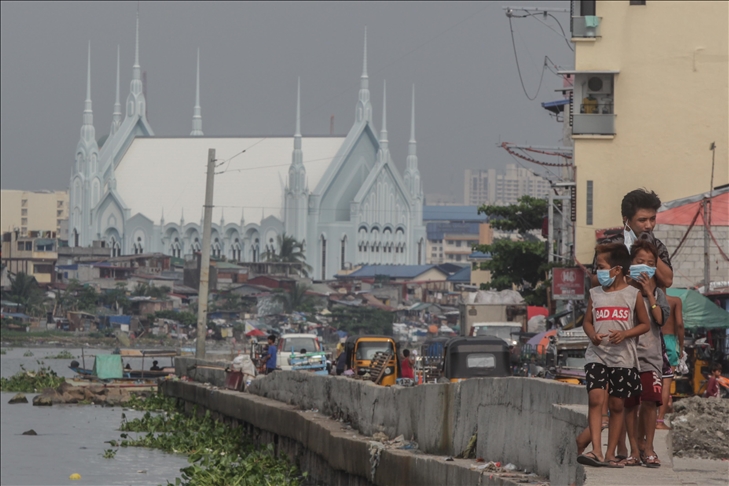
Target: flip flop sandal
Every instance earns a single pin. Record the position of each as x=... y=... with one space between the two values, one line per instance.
x=630 y=461
x=613 y=463
x=589 y=459
x=652 y=462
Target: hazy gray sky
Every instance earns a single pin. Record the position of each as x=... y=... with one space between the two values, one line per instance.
x=459 y=55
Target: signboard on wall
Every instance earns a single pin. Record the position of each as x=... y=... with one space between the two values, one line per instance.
x=568 y=283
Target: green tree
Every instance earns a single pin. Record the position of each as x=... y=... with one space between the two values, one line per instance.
x=526 y=215
x=289 y=251
x=296 y=299
x=362 y=320
x=521 y=264
x=116 y=298
x=24 y=290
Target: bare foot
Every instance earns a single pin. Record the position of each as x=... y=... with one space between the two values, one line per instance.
x=662 y=426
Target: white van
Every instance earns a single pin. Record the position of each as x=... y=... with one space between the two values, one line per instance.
x=290 y=344
x=501 y=330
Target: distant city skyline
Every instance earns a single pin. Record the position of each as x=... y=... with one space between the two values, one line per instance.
x=458 y=55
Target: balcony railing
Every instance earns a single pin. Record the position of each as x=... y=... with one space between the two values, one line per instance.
x=586 y=27
x=593 y=124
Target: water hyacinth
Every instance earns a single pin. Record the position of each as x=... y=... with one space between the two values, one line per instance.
x=218 y=453
x=31 y=381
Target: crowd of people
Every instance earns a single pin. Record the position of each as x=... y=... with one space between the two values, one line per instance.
x=636 y=337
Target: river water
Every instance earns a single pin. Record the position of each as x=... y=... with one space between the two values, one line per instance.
x=71 y=437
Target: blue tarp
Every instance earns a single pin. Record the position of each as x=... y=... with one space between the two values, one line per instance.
x=120 y=319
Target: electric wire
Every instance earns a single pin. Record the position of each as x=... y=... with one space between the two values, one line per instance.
x=518 y=68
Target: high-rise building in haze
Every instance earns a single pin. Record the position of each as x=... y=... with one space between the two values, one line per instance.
x=489 y=187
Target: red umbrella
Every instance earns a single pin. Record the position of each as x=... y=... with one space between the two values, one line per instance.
x=255 y=333
x=535 y=310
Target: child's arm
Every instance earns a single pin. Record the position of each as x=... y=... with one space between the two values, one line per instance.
x=589 y=328
x=663 y=305
x=643 y=326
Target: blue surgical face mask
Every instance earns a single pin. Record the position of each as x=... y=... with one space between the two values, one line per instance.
x=636 y=270
x=603 y=276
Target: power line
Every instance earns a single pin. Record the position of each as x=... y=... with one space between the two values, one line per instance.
x=518 y=69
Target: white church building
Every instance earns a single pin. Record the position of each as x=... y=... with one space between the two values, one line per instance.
x=342 y=196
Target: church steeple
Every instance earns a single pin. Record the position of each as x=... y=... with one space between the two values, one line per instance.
x=297 y=194
x=116 y=117
x=412 y=173
x=88 y=134
x=196 y=116
x=364 y=108
x=135 y=100
x=297 y=171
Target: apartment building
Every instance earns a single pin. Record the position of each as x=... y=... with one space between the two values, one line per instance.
x=650 y=96
x=501 y=189
x=29 y=211
x=35 y=254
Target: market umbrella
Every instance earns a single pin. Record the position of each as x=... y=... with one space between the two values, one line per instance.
x=535 y=310
x=698 y=311
x=540 y=342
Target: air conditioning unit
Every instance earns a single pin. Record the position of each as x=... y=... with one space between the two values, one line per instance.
x=599 y=85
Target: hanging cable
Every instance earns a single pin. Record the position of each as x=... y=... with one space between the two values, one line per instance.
x=518 y=69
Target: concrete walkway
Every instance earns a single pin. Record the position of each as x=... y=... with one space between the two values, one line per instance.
x=673 y=471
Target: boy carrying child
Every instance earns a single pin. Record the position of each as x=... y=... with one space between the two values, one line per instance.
x=614 y=318
x=641 y=426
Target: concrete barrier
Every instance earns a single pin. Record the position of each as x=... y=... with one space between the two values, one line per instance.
x=330 y=453
x=515 y=419
x=201 y=370
x=529 y=422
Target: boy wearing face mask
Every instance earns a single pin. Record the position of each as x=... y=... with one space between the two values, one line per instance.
x=638 y=209
x=641 y=427
x=614 y=318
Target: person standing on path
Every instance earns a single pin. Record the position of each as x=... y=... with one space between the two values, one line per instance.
x=641 y=425
x=271 y=354
x=673 y=337
x=614 y=319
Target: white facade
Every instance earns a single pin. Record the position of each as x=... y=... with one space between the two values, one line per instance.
x=488 y=187
x=343 y=197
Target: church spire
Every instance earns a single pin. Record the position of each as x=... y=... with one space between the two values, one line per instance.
x=297 y=134
x=182 y=217
x=135 y=100
x=412 y=174
x=88 y=134
x=383 y=132
x=116 y=117
x=297 y=171
x=364 y=108
x=197 y=117
x=162 y=217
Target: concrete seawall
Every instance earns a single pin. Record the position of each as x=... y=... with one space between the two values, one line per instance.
x=525 y=421
x=330 y=453
x=517 y=420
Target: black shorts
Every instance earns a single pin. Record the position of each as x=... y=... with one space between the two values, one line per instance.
x=624 y=382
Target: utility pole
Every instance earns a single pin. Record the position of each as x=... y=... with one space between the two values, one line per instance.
x=202 y=303
x=707 y=223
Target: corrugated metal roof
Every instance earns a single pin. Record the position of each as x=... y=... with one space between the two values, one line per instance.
x=392 y=271
x=463 y=275
x=453 y=213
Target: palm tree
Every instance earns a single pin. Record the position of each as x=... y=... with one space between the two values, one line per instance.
x=289 y=251
x=25 y=291
x=296 y=299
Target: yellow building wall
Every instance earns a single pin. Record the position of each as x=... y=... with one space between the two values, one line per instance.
x=670 y=102
x=42 y=210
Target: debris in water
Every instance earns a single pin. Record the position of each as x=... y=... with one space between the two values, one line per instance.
x=75 y=476
x=30 y=432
